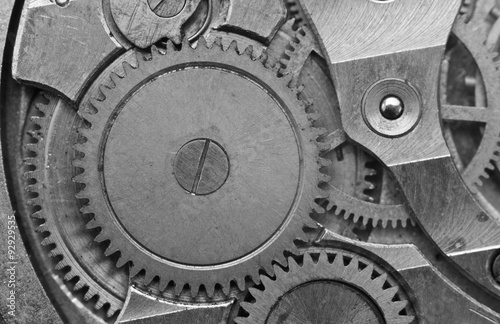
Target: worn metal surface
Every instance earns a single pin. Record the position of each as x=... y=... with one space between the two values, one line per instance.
x=261 y=18
x=143 y=27
x=141 y=307
x=55 y=41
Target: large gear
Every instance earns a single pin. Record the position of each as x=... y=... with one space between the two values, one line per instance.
x=174 y=170
x=328 y=286
x=52 y=126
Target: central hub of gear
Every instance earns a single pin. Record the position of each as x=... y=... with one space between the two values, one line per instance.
x=321 y=301
x=201 y=167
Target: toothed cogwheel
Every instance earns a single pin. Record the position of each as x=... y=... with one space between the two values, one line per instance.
x=51 y=126
x=200 y=166
x=328 y=286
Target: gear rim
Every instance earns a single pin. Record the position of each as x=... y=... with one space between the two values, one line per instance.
x=317 y=266
x=222 y=276
x=42 y=119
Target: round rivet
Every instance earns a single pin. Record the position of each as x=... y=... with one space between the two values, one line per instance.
x=391 y=107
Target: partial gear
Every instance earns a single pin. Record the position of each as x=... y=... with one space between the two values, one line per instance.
x=200 y=166
x=51 y=126
x=489 y=149
x=351 y=174
x=386 y=208
x=326 y=286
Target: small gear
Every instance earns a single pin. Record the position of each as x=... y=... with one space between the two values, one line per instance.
x=489 y=149
x=349 y=172
x=200 y=166
x=52 y=123
x=326 y=286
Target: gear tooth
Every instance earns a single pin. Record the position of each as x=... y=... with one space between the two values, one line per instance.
x=155 y=52
x=42 y=228
x=293 y=265
x=338 y=263
x=149 y=276
x=134 y=270
x=248 y=51
x=400 y=305
x=289 y=52
x=48 y=240
x=122 y=260
x=233 y=46
x=53 y=253
x=185 y=42
x=79 y=178
x=101 y=237
x=368 y=271
x=353 y=266
x=96 y=104
x=263 y=58
x=86 y=210
x=365 y=220
x=61 y=264
x=79 y=163
x=89 y=294
x=68 y=276
x=380 y=281
x=318 y=209
x=323 y=258
x=202 y=43
x=81 y=194
x=218 y=42
x=308 y=259
x=79 y=285
x=163 y=283
x=112 y=311
x=241 y=283
x=279 y=272
x=37 y=215
x=179 y=286
x=79 y=147
x=115 y=78
x=323 y=178
x=170 y=47
x=92 y=224
x=29 y=175
x=210 y=290
x=266 y=281
x=99 y=303
x=389 y=294
x=112 y=248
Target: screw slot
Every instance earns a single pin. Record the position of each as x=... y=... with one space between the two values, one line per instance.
x=201 y=167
